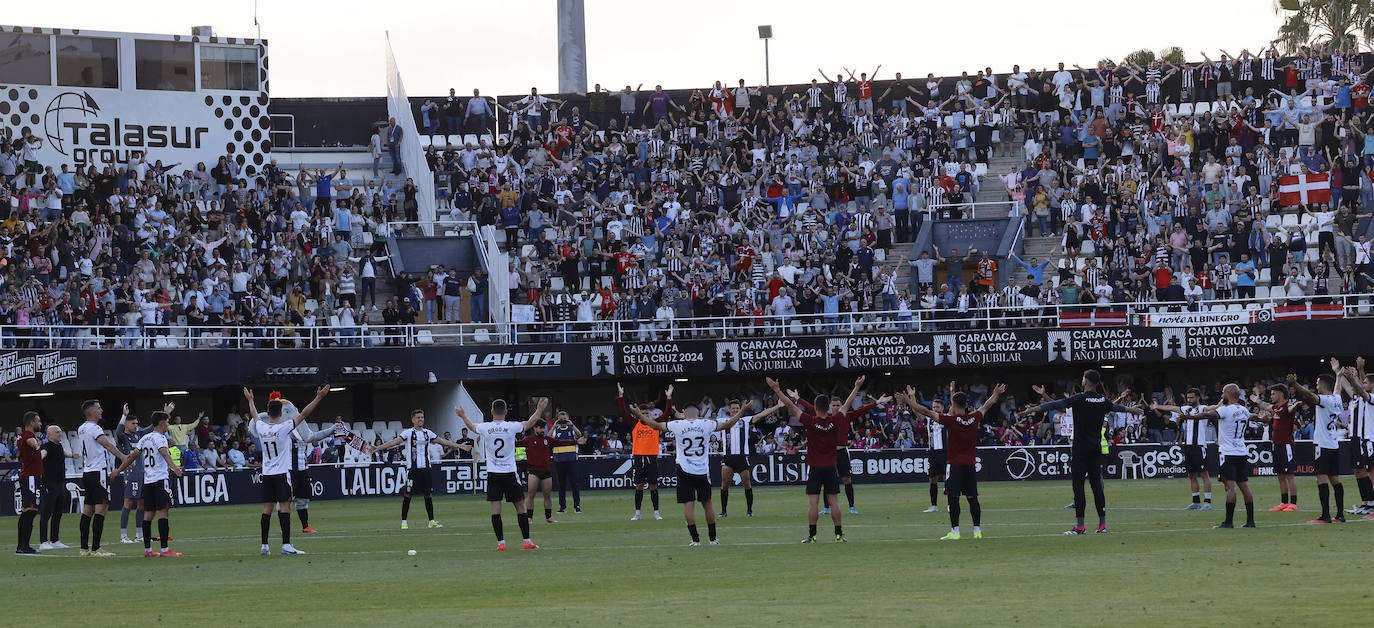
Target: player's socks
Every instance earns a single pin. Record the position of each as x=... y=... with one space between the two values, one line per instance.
x=839 y=530
x=811 y=531
x=1080 y=522
x=711 y=531
x=1250 y=513
x=1339 y=491
x=429 y=507
x=524 y=520
x=1283 y=498
x=548 y=513
x=304 y=514
x=97 y=527
x=1102 y=521
x=1324 y=496
x=1230 y=511
x=849 y=494
x=124 y=523
x=164 y=530
x=692 y=530
x=724 y=501
x=653 y=498
x=284 y=519
x=1197 y=497
x=1366 y=485
x=405 y=508
x=1293 y=500
x=85 y=527
x=498 y=528
x=1207 y=497
x=934 y=494
x=639 y=499
x=266 y=526
x=748 y=501
x=975 y=511
x=138 y=515
x=147 y=536
x=953 y=513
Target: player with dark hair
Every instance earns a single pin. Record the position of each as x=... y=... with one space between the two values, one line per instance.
x=735 y=456
x=539 y=463
x=275 y=435
x=30 y=481
x=498 y=443
x=157 y=463
x=415 y=457
x=961 y=475
x=1281 y=435
x=823 y=433
x=1232 y=418
x=1362 y=439
x=93 y=479
x=1090 y=409
x=644 y=447
x=127 y=434
x=935 y=453
x=1326 y=422
x=692 y=448
x=1193 y=435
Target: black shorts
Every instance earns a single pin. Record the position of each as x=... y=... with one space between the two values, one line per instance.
x=1359 y=452
x=736 y=462
x=645 y=470
x=418 y=482
x=155 y=496
x=1283 y=459
x=1195 y=458
x=1328 y=462
x=827 y=478
x=962 y=480
x=842 y=462
x=542 y=475
x=1235 y=468
x=935 y=463
x=300 y=485
x=95 y=485
x=504 y=487
x=276 y=488
x=30 y=491
x=692 y=487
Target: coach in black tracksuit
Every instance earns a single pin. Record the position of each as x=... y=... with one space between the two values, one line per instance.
x=1090 y=409
x=565 y=464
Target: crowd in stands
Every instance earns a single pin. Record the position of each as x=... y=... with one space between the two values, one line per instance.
x=1160 y=182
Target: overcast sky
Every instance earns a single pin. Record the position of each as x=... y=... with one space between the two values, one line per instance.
x=505 y=47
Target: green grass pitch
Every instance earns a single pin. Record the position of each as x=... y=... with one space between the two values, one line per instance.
x=1160 y=565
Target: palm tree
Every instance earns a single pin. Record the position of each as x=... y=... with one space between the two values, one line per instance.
x=1329 y=24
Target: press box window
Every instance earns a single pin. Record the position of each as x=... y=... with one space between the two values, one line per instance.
x=26 y=60
x=227 y=67
x=165 y=65
x=87 y=62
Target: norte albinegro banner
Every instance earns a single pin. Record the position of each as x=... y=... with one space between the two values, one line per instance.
x=995 y=464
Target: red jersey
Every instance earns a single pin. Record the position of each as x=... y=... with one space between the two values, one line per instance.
x=1359 y=95
x=539 y=451
x=865 y=90
x=623 y=259
x=825 y=434
x=30 y=459
x=961 y=437
x=987 y=271
x=1282 y=431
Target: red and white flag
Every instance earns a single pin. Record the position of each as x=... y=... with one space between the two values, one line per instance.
x=1091 y=319
x=1302 y=189
x=1309 y=311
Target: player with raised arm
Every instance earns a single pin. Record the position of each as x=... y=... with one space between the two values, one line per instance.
x=1193 y=434
x=691 y=436
x=1326 y=421
x=539 y=460
x=735 y=456
x=961 y=472
x=302 y=489
x=1362 y=438
x=415 y=457
x=127 y=434
x=1281 y=435
x=935 y=451
x=1090 y=409
x=498 y=442
x=93 y=479
x=1232 y=418
x=30 y=480
x=275 y=436
x=822 y=435
x=644 y=447
x=157 y=463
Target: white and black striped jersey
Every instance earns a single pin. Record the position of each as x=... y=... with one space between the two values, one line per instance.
x=841 y=91
x=1188 y=76
x=936 y=434
x=415 y=447
x=735 y=441
x=813 y=96
x=91 y=450
x=1267 y=68
x=1361 y=419
x=1194 y=432
x=1246 y=70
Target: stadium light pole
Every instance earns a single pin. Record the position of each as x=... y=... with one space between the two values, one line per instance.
x=766 y=33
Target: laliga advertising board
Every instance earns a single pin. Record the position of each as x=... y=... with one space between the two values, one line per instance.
x=106 y=98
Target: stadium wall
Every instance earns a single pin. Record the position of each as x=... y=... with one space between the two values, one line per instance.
x=1143 y=461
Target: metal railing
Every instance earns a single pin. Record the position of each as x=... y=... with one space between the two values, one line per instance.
x=366 y=335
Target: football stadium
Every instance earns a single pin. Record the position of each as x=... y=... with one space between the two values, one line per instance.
x=500 y=344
